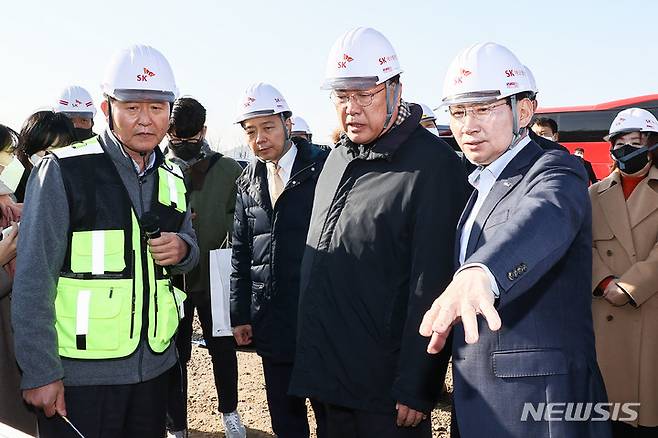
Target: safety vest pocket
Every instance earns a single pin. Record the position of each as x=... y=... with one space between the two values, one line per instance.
x=168 y=311
x=97 y=252
x=94 y=318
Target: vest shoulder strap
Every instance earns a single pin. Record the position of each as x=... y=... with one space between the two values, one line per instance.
x=87 y=147
x=172 y=167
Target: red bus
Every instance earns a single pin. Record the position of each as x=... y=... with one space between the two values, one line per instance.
x=585 y=127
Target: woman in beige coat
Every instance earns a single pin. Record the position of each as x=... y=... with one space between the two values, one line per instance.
x=625 y=272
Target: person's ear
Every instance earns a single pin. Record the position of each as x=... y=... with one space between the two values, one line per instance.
x=105 y=107
x=203 y=131
x=556 y=136
x=525 y=111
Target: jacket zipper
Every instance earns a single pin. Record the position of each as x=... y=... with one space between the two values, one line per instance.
x=145 y=284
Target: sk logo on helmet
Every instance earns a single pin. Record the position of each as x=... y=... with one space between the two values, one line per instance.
x=249 y=101
x=462 y=74
x=346 y=58
x=77 y=103
x=385 y=59
x=147 y=74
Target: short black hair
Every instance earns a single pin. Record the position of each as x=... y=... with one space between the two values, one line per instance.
x=579 y=150
x=188 y=117
x=44 y=130
x=8 y=139
x=547 y=121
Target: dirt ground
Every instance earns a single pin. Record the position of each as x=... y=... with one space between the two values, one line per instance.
x=205 y=421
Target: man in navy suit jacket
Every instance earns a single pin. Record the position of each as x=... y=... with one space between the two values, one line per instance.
x=524 y=257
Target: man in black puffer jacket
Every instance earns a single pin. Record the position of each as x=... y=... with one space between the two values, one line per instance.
x=272 y=214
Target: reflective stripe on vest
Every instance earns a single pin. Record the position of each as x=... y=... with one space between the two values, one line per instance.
x=171 y=190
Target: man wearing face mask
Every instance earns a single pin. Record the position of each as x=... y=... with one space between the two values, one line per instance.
x=76 y=103
x=272 y=214
x=210 y=178
x=625 y=270
x=95 y=309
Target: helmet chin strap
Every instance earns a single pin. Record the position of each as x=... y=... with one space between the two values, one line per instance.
x=390 y=106
x=517 y=132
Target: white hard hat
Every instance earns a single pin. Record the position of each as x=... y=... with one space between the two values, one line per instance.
x=140 y=73
x=632 y=120
x=428 y=114
x=360 y=59
x=531 y=79
x=484 y=72
x=300 y=125
x=75 y=100
x=259 y=100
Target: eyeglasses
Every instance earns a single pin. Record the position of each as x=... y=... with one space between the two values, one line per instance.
x=477 y=112
x=362 y=99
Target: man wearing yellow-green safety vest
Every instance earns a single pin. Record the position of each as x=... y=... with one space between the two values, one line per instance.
x=94 y=310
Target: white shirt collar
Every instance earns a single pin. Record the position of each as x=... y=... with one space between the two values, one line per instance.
x=286 y=162
x=495 y=169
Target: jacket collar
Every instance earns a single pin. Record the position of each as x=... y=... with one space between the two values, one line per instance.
x=387 y=145
x=254 y=179
x=642 y=202
x=113 y=147
x=644 y=199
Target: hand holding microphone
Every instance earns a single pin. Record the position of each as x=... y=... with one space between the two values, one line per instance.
x=166 y=248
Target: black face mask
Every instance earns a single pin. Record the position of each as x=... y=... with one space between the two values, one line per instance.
x=186 y=150
x=82 y=134
x=631 y=159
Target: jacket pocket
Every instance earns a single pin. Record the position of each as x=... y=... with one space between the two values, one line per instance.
x=257 y=299
x=93 y=318
x=97 y=252
x=529 y=363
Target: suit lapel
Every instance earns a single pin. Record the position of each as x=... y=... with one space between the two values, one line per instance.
x=460 y=224
x=499 y=190
x=508 y=179
x=616 y=213
x=644 y=199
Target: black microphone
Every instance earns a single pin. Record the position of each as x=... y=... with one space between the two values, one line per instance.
x=150 y=223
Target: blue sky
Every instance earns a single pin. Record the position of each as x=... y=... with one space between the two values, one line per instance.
x=581 y=52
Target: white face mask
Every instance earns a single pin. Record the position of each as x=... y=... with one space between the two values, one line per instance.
x=548 y=137
x=433 y=131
